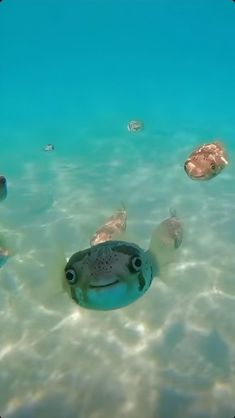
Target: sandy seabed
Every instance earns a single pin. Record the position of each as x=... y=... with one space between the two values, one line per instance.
x=171 y=353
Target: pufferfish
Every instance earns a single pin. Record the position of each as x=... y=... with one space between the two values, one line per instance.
x=113 y=274
x=115 y=225
x=207 y=161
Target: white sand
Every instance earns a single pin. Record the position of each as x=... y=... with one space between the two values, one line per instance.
x=170 y=354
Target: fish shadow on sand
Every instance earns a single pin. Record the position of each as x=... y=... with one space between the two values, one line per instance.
x=174 y=404
x=215 y=351
x=178 y=403
x=54 y=406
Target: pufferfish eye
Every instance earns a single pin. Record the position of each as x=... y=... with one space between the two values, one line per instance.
x=71 y=276
x=136 y=263
x=186 y=166
x=213 y=166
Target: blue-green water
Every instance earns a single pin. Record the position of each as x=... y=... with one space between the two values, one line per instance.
x=73 y=74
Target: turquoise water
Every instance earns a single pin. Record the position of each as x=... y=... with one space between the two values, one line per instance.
x=73 y=74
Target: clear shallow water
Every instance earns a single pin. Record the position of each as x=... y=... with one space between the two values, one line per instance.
x=172 y=352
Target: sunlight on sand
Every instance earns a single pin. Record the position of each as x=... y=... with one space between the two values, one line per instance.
x=171 y=351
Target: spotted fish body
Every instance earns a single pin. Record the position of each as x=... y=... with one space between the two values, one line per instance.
x=115 y=225
x=206 y=162
x=109 y=275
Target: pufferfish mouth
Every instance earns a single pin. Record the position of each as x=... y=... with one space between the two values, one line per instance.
x=100 y=286
x=193 y=171
x=198 y=176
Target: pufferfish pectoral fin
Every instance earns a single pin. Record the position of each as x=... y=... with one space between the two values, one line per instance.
x=55 y=265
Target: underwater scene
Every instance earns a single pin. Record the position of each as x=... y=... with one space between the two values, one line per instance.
x=117 y=200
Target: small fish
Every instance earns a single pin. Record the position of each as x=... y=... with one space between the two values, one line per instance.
x=207 y=161
x=116 y=224
x=49 y=147
x=3 y=188
x=135 y=126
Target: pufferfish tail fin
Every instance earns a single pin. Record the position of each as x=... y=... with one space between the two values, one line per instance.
x=123 y=206
x=173 y=212
x=223 y=149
